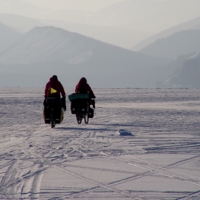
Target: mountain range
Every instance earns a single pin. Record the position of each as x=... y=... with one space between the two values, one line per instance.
x=7 y=36
x=44 y=51
x=19 y=23
x=98 y=44
x=193 y=24
x=186 y=74
x=47 y=50
x=177 y=44
x=113 y=35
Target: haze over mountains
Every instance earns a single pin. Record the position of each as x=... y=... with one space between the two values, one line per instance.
x=50 y=50
x=20 y=23
x=187 y=74
x=7 y=36
x=97 y=41
x=177 y=44
x=140 y=17
x=112 y=35
x=193 y=24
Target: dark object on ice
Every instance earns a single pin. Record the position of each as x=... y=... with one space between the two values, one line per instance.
x=123 y=132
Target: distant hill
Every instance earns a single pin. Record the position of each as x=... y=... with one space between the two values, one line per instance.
x=193 y=24
x=7 y=36
x=20 y=23
x=181 y=43
x=121 y=37
x=186 y=75
x=125 y=38
x=50 y=50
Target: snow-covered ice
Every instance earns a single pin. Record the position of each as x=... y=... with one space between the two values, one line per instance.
x=141 y=144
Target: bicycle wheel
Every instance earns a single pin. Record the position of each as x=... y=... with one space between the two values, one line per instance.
x=86 y=118
x=53 y=123
x=79 y=117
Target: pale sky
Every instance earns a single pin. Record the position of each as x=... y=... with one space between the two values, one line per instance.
x=161 y=14
x=88 y=5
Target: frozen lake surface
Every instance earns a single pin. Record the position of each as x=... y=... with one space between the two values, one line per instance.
x=141 y=144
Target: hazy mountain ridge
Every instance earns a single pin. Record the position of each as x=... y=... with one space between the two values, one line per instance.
x=112 y=35
x=187 y=74
x=185 y=70
x=47 y=49
x=180 y=43
x=42 y=44
x=121 y=37
x=20 y=23
x=53 y=49
x=7 y=36
x=125 y=14
x=193 y=24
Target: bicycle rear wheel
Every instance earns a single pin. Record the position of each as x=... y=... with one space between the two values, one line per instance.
x=86 y=118
x=53 y=122
x=79 y=117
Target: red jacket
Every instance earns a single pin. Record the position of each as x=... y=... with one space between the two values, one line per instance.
x=83 y=87
x=54 y=88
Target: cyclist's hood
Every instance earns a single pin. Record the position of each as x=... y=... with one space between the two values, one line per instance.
x=54 y=78
x=83 y=80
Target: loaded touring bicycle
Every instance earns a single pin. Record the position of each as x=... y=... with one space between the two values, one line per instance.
x=80 y=106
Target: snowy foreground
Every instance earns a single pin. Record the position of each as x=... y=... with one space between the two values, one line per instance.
x=141 y=144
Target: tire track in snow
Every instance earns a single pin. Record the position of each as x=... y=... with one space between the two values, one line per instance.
x=98 y=185
x=36 y=184
x=31 y=184
x=17 y=181
x=82 y=141
x=35 y=190
x=15 y=184
x=53 y=155
x=161 y=170
x=42 y=159
x=153 y=170
x=135 y=176
x=9 y=180
x=193 y=195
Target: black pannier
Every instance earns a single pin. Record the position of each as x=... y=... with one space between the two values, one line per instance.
x=91 y=113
